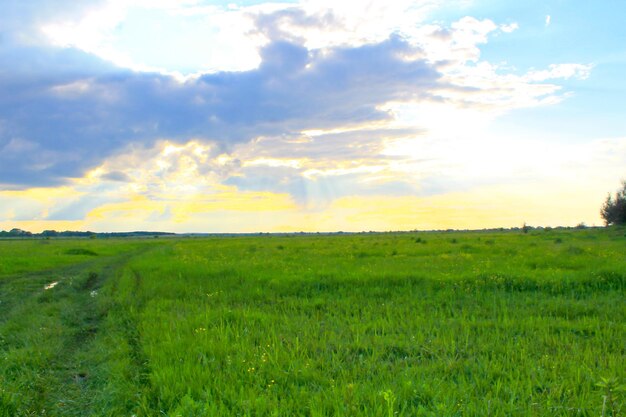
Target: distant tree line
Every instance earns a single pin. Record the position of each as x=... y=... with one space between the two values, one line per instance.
x=69 y=233
x=46 y=233
x=15 y=233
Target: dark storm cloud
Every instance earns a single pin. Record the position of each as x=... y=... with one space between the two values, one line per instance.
x=63 y=111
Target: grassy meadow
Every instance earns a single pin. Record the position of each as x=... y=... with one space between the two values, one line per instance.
x=407 y=324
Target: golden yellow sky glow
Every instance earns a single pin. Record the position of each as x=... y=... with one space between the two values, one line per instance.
x=485 y=207
x=181 y=188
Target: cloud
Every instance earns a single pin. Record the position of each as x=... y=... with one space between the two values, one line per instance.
x=325 y=24
x=190 y=37
x=116 y=176
x=181 y=39
x=20 y=20
x=562 y=71
x=548 y=20
x=511 y=27
x=74 y=117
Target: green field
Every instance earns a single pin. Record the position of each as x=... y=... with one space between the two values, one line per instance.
x=407 y=324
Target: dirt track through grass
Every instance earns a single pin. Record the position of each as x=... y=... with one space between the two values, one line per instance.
x=49 y=337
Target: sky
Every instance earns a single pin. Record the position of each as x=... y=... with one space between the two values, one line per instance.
x=303 y=115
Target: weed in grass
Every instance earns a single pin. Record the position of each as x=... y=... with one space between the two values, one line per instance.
x=80 y=251
x=575 y=250
x=390 y=401
x=467 y=248
x=613 y=392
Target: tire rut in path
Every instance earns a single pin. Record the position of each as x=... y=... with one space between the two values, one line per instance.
x=71 y=375
x=78 y=370
x=19 y=289
x=74 y=369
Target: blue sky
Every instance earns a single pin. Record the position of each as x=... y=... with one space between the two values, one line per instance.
x=309 y=115
x=579 y=31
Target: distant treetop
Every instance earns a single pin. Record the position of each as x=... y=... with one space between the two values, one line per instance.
x=614 y=208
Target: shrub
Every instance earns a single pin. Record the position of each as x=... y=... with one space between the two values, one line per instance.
x=614 y=208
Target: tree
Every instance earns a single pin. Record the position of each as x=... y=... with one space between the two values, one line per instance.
x=614 y=208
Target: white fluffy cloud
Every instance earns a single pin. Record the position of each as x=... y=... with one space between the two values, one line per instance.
x=561 y=71
x=187 y=38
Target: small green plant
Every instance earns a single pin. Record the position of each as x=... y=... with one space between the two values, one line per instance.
x=390 y=401
x=613 y=392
